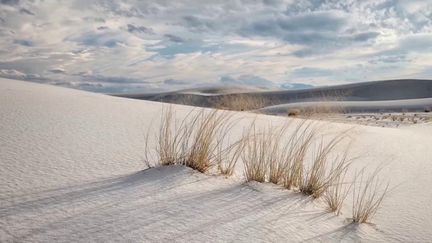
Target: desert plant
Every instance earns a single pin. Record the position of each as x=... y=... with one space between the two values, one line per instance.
x=228 y=157
x=254 y=156
x=322 y=174
x=197 y=141
x=368 y=195
x=205 y=137
x=170 y=139
x=294 y=112
x=338 y=191
x=294 y=154
x=238 y=102
x=274 y=155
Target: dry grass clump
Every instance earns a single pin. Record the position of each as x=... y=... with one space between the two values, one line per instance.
x=276 y=156
x=170 y=140
x=294 y=154
x=322 y=174
x=197 y=141
x=268 y=154
x=294 y=112
x=227 y=158
x=290 y=158
x=239 y=102
x=368 y=196
x=204 y=135
x=336 y=193
x=258 y=155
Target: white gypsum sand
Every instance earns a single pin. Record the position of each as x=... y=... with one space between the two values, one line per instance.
x=71 y=169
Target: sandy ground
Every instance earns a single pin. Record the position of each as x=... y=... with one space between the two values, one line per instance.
x=71 y=170
x=374 y=119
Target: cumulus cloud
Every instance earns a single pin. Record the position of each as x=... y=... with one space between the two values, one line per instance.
x=108 y=45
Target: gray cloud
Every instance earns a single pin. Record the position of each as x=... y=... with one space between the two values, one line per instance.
x=10 y=2
x=14 y=74
x=26 y=11
x=139 y=29
x=174 y=38
x=118 y=45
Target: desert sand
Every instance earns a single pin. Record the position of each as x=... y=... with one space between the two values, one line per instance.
x=71 y=169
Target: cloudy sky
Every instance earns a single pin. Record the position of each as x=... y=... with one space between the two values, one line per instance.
x=151 y=45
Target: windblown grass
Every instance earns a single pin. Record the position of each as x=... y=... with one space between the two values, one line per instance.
x=368 y=195
x=205 y=135
x=279 y=157
x=323 y=173
x=289 y=155
x=257 y=155
x=227 y=158
x=196 y=141
x=295 y=152
x=336 y=193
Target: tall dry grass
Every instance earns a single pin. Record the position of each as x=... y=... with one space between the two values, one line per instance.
x=278 y=156
x=368 y=194
x=204 y=138
x=295 y=152
x=336 y=193
x=227 y=158
x=239 y=102
x=324 y=173
x=257 y=155
x=289 y=155
x=196 y=141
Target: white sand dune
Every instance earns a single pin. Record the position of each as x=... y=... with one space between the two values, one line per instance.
x=71 y=171
x=377 y=91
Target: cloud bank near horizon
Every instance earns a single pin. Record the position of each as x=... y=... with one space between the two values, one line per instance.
x=138 y=46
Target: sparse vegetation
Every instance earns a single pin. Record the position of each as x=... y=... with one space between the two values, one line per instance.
x=196 y=141
x=286 y=156
x=258 y=155
x=295 y=153
x=294 y=112
x=368 y=195
x=322 y=173
x=336 y=193
x=239 y=102
x=227 y=158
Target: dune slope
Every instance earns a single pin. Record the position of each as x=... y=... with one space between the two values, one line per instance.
x=387 y=90
x=71 y=170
